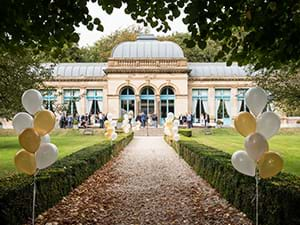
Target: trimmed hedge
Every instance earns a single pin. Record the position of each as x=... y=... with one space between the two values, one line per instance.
x=185 y=132
x=279 y=197
x=53 y=183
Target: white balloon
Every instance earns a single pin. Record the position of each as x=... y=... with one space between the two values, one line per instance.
x=176 y=123
x=113 y=123
x=256 y=99
x=22 y=121
x=176 y=137
x=175 y=129
x=170 y=116
x=114 y=136
x=268 y=124
x=256 y=145
x=243 y=163
x=45 y=139
x=109 y=116
x=32 y=101
x=125 y=116
x=46 y=155
x=126 y=130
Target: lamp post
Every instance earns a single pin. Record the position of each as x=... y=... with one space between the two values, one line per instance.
x=148 y=126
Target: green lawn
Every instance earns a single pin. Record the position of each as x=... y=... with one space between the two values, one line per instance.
x=67 y=141
x=286 y=143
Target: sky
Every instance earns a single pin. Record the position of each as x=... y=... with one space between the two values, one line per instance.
x=117 y=20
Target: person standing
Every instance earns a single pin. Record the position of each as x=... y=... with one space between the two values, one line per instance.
x=189 y=120
x=62 y=120
x=101 y=120
x=154 y=119
x=143 y=119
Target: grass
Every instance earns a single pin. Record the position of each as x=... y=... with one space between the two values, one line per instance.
x=286 y=143
x=67 y=141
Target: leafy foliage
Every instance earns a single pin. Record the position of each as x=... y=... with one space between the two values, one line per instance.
x=19 y=71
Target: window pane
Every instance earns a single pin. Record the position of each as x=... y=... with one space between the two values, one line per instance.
x=151 y=106
x=163 y=104
x=144 y=106
x=130 y=91
x=171 y=106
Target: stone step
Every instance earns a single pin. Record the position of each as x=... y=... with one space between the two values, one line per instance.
x=151 y=132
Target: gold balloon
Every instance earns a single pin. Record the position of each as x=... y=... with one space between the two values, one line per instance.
x=30 y=140
x=106 y=123
x=25 y=162
x=107 y=135
x=270 y=164
x=169 y=124
x=109 y=130
x=245 y=123
x=44 y=122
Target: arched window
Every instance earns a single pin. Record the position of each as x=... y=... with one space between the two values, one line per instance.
x=147 y=100
x=167 y=91
x=127 y=100
x=167 y=102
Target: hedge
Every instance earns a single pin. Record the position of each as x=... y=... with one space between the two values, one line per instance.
x=53 y=183
x=185 y=132
x=279 y=197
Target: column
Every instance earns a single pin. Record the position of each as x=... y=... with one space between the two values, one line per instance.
x=211 y=103
x=234 y=100
x=82 y=109
x=157 y=104
x=137 y=104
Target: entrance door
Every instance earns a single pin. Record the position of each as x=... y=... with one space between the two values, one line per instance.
x=147 y=100
x=167 y=103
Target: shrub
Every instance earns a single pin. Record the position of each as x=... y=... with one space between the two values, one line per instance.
x=55 y=182
x=185 y=132
x=279 y=197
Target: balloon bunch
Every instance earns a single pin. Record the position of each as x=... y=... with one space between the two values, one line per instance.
x=37 y=152
x=125 y=124
x=257 y=159
x=110 y=125
x=171 y=127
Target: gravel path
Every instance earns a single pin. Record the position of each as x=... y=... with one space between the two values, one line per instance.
x=147 y=184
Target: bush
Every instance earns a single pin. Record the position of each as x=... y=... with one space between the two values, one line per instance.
x=185 y=132
x=279 y=197
x=54 y=183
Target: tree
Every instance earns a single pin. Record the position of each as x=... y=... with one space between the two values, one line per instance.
x=18 y=72
x=101 y=50
x=264 y=34
x=195 y=54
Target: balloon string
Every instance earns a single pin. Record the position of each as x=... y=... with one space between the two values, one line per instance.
x=256 y=189
x=34 y=196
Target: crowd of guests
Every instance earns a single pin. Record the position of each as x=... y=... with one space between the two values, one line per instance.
x=83 y=121
x=188 y=119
